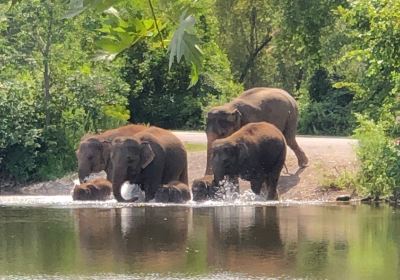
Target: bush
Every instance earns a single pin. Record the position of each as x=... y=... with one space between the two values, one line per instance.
x=327 y=110
x=380 y=159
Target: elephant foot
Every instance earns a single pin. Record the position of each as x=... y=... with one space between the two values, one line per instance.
x=303 y=163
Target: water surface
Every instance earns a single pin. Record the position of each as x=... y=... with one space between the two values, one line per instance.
x=51 y=237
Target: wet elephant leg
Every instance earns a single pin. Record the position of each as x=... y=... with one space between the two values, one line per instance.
x=150 y=191
x=256 y=185
x=272 y=184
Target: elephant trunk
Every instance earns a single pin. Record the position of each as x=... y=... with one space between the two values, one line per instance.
x=118 y=179
x=211 y=137
x=83 y=172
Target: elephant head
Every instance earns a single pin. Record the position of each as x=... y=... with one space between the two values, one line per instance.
x=227 y=158
x=93 y=156
x=221 y=122
x=129 y=156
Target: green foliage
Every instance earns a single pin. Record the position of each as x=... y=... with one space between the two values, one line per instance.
x=374 y=29
x=39 y=132
x=380 y=158
x=120 y=34
x=327 y=111
x=161 y=97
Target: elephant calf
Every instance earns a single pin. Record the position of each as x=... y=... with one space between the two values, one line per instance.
x=174 y=192
x=96 y=189
x=255 y=153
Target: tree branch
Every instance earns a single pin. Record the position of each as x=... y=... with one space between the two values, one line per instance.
x=253 y=56
x=155 y=22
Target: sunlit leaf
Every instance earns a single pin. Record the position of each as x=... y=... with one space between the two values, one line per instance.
x=184 y=43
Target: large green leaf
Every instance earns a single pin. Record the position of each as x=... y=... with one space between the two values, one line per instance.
x=184 y=43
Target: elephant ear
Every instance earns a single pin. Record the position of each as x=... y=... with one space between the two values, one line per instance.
x=235 y=117
x=147 y=155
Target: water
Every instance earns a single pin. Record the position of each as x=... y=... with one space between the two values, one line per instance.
x=54 y=238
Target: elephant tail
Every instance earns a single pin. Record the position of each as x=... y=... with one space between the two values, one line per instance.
x=184 y=178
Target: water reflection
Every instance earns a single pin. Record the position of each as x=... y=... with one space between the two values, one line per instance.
x=334 y=242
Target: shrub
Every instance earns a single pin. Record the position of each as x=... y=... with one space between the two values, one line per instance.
x=380 y=158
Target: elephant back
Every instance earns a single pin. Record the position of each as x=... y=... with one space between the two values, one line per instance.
x=270 y=105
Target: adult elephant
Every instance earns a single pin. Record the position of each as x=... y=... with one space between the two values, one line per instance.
x=93 y=153
x=151 y=158
x=256 y=153
x=271 y=105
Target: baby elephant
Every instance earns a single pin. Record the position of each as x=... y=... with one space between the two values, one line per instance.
x=255 y=153
x=95 y=189
x=174 y=192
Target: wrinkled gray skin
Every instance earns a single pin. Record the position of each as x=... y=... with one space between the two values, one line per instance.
x=93 y=153
x=151 y=158
x=174 y=192
x=271 y=105
x=255 y=153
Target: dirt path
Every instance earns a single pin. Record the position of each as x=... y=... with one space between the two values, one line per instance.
x=329 y=157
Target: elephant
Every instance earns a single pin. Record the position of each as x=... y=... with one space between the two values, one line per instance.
x=175 y=192
x=255 y=153
x=150 y=158
x=272 y=105
x=93 y=153
x=95 y=189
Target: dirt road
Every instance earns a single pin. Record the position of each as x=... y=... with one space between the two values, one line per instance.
x=329 y=157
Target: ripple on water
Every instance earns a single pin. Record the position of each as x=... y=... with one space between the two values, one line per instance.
x=65 y=201
x=222 y=275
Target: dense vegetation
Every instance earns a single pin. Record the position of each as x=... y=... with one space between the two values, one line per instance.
x=68 y=70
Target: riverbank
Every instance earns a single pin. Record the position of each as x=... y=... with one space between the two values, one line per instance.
x=329 y=157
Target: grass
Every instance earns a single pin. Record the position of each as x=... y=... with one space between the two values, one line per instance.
x=195 y=147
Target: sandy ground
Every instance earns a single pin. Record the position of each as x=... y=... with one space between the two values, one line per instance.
x=329 y=157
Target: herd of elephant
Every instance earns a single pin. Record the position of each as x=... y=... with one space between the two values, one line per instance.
x=246 y=138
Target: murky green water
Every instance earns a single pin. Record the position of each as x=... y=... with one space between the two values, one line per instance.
x=220 y=242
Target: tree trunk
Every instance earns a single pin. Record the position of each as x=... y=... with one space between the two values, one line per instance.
x=46 y=52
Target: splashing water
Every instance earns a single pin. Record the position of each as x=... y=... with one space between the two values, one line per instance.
x=227 y=191
x=131 y=191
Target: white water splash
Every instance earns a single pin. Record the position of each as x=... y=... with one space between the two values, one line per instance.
x=227 y=191
x=131 y=191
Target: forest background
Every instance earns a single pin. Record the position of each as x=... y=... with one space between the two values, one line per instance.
x=72 y=67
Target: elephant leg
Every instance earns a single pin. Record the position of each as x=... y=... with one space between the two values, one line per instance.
x=150 y=191
x=290 y=136
x=272 y=183
x=256 y=185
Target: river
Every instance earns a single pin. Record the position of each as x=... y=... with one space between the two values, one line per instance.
x=51 y=237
